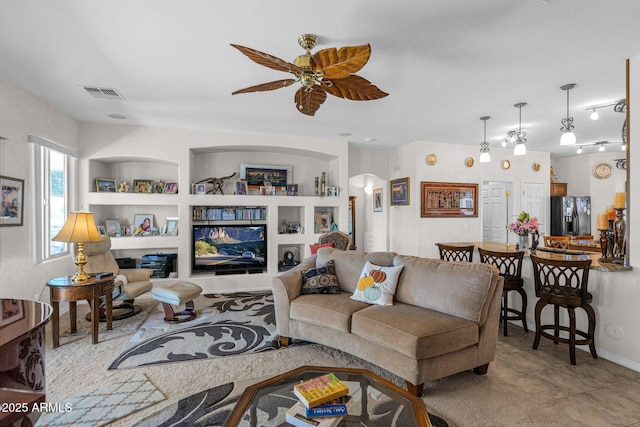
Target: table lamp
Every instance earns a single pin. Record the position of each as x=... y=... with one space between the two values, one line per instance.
x=80 y=228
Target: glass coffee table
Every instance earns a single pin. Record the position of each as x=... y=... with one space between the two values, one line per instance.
x=375 y=401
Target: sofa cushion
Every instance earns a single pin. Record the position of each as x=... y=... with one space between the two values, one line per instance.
x=349 y=264
x=320 y=280
x=461 y=289
x=377 y=284
x=332 y=311
x=414 y=331
x=314 y=247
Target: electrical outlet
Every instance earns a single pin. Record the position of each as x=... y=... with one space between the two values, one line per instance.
x=615 y=331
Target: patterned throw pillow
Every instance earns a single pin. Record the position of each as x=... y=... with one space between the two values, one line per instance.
x=377 y=284
x=314 y=248
x=320 y=280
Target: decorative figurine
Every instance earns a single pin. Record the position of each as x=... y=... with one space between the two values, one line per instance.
x=217 y=183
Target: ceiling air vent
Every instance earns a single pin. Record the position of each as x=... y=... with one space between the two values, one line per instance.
x=103 y=93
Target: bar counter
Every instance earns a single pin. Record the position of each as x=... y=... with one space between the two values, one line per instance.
x=549 y=253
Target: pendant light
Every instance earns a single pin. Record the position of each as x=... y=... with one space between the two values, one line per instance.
x=568 y=137
x=484 y=145
x=520 y=149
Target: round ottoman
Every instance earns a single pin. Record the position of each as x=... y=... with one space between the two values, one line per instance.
x=178 y=293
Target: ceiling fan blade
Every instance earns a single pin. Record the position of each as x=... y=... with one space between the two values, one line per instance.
x=266 y=86
x=355 y=88
x=309 y=102
x=267 y=60
x=338 y=64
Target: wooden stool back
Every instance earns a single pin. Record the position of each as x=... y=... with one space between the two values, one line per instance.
x=456 y=253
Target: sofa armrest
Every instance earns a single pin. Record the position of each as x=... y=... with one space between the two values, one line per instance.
x=136 y=274
x=286 y=287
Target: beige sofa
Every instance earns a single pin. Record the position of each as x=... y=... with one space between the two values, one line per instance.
x=444 y=318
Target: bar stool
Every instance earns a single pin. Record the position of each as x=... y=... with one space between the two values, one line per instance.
x=564 y=284
x=510 y=266
x=456 y=253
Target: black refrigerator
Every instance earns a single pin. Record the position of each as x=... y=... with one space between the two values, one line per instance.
x=570 y=215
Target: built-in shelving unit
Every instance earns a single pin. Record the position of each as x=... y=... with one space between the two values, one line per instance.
x=188 y=165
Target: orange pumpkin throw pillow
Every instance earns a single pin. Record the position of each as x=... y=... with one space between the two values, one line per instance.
x=377 y=284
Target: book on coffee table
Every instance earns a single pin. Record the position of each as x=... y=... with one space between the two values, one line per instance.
x=296 y=416
x=320 y=390
x=335 y=408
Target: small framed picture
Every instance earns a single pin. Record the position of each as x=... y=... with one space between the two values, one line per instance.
x=399 y=190
x=201 y=189
x=143 y=224
x=377 y=199
x=102 y=230
x=170 y=227
x=112 y=227
x=142 y=185
x=333 y=191
x=241 y=188
x=105 y=185
x=292 y=189
x=323 y=222
x=171 y=187
x=11 y=201
x=293 y=227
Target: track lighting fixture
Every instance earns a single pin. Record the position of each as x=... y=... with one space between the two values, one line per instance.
x=568 y=137
x=601 y=148
x=579 y=150
x=484 y=145
x=594 y=115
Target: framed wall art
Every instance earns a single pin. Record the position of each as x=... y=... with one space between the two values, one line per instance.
x=12 y=201
x=12 y=311
x=377 y=199
x=399 y=190
x=448 y=199
x=322 y=222
x=143 y=224
x=257 y=175
x=105 y=185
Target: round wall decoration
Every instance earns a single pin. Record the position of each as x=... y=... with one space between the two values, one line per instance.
x=602 y=170
x=431 y=159
x=469 y=162
x=506 y=164
x=536 y=166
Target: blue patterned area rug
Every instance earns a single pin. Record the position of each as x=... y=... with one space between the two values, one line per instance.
x=212 y=407
x=232 y=324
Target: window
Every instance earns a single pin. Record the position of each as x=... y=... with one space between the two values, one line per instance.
x=52 y=188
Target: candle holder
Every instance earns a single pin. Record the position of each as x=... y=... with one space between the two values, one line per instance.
x=607 y=241
x=317 y=186
x=619 y=229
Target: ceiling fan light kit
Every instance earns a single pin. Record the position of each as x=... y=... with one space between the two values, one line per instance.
x=328 y=71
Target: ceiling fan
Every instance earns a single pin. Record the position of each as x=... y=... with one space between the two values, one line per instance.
x=326 y=71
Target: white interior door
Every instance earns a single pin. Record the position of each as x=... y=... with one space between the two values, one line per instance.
x=494 y=211
x=534 y=202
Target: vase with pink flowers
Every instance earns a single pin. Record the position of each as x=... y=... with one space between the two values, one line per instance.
x=523 y=226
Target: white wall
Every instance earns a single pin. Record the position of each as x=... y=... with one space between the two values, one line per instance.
x=22 y=114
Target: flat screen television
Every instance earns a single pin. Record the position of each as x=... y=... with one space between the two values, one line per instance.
x=229 y=249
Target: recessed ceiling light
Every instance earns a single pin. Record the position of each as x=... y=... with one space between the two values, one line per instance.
x=117 y=116
x=344 y=134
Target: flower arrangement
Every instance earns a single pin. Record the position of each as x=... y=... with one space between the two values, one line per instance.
x=124 y=187
x=524 y=225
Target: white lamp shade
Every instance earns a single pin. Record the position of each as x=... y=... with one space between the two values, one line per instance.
x=79 y=228
x=485 y=157
x=520 y=150
x=594 y=115
x=568 y=138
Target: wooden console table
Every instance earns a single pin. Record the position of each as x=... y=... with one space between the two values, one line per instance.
x=64 y=289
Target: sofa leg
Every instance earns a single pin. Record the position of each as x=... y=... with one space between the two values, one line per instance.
x=481 y=370
x=285 y=341
x=416 y=390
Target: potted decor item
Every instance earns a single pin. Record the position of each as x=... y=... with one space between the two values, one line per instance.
x=523 y=226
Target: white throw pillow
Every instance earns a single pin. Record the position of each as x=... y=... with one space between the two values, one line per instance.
x=377 y=284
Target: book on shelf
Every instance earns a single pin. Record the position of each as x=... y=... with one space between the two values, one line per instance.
x=320 y=390
x=296 y=416
x=335 y=408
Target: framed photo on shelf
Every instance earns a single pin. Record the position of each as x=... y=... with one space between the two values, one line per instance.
x=448 y=199
x=112 y=227
x=377 y=199
x=200 y=189
x=293 y=227
x=12 y=201
x=399 y=191
x=292 y=189
x=143 y=224
x=241 y=188
x=333 y=191
x=12 y=311
x=102 y=230
x=105 y=185
x=323 y=222
x=143 y=186
x=257 y=175
x=171 y=187
x=170 y=227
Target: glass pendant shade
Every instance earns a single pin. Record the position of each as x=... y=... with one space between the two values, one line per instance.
x=484 y=145
x=594 y=115
x=568 y=138
x=485 y=157
x=520 y=149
